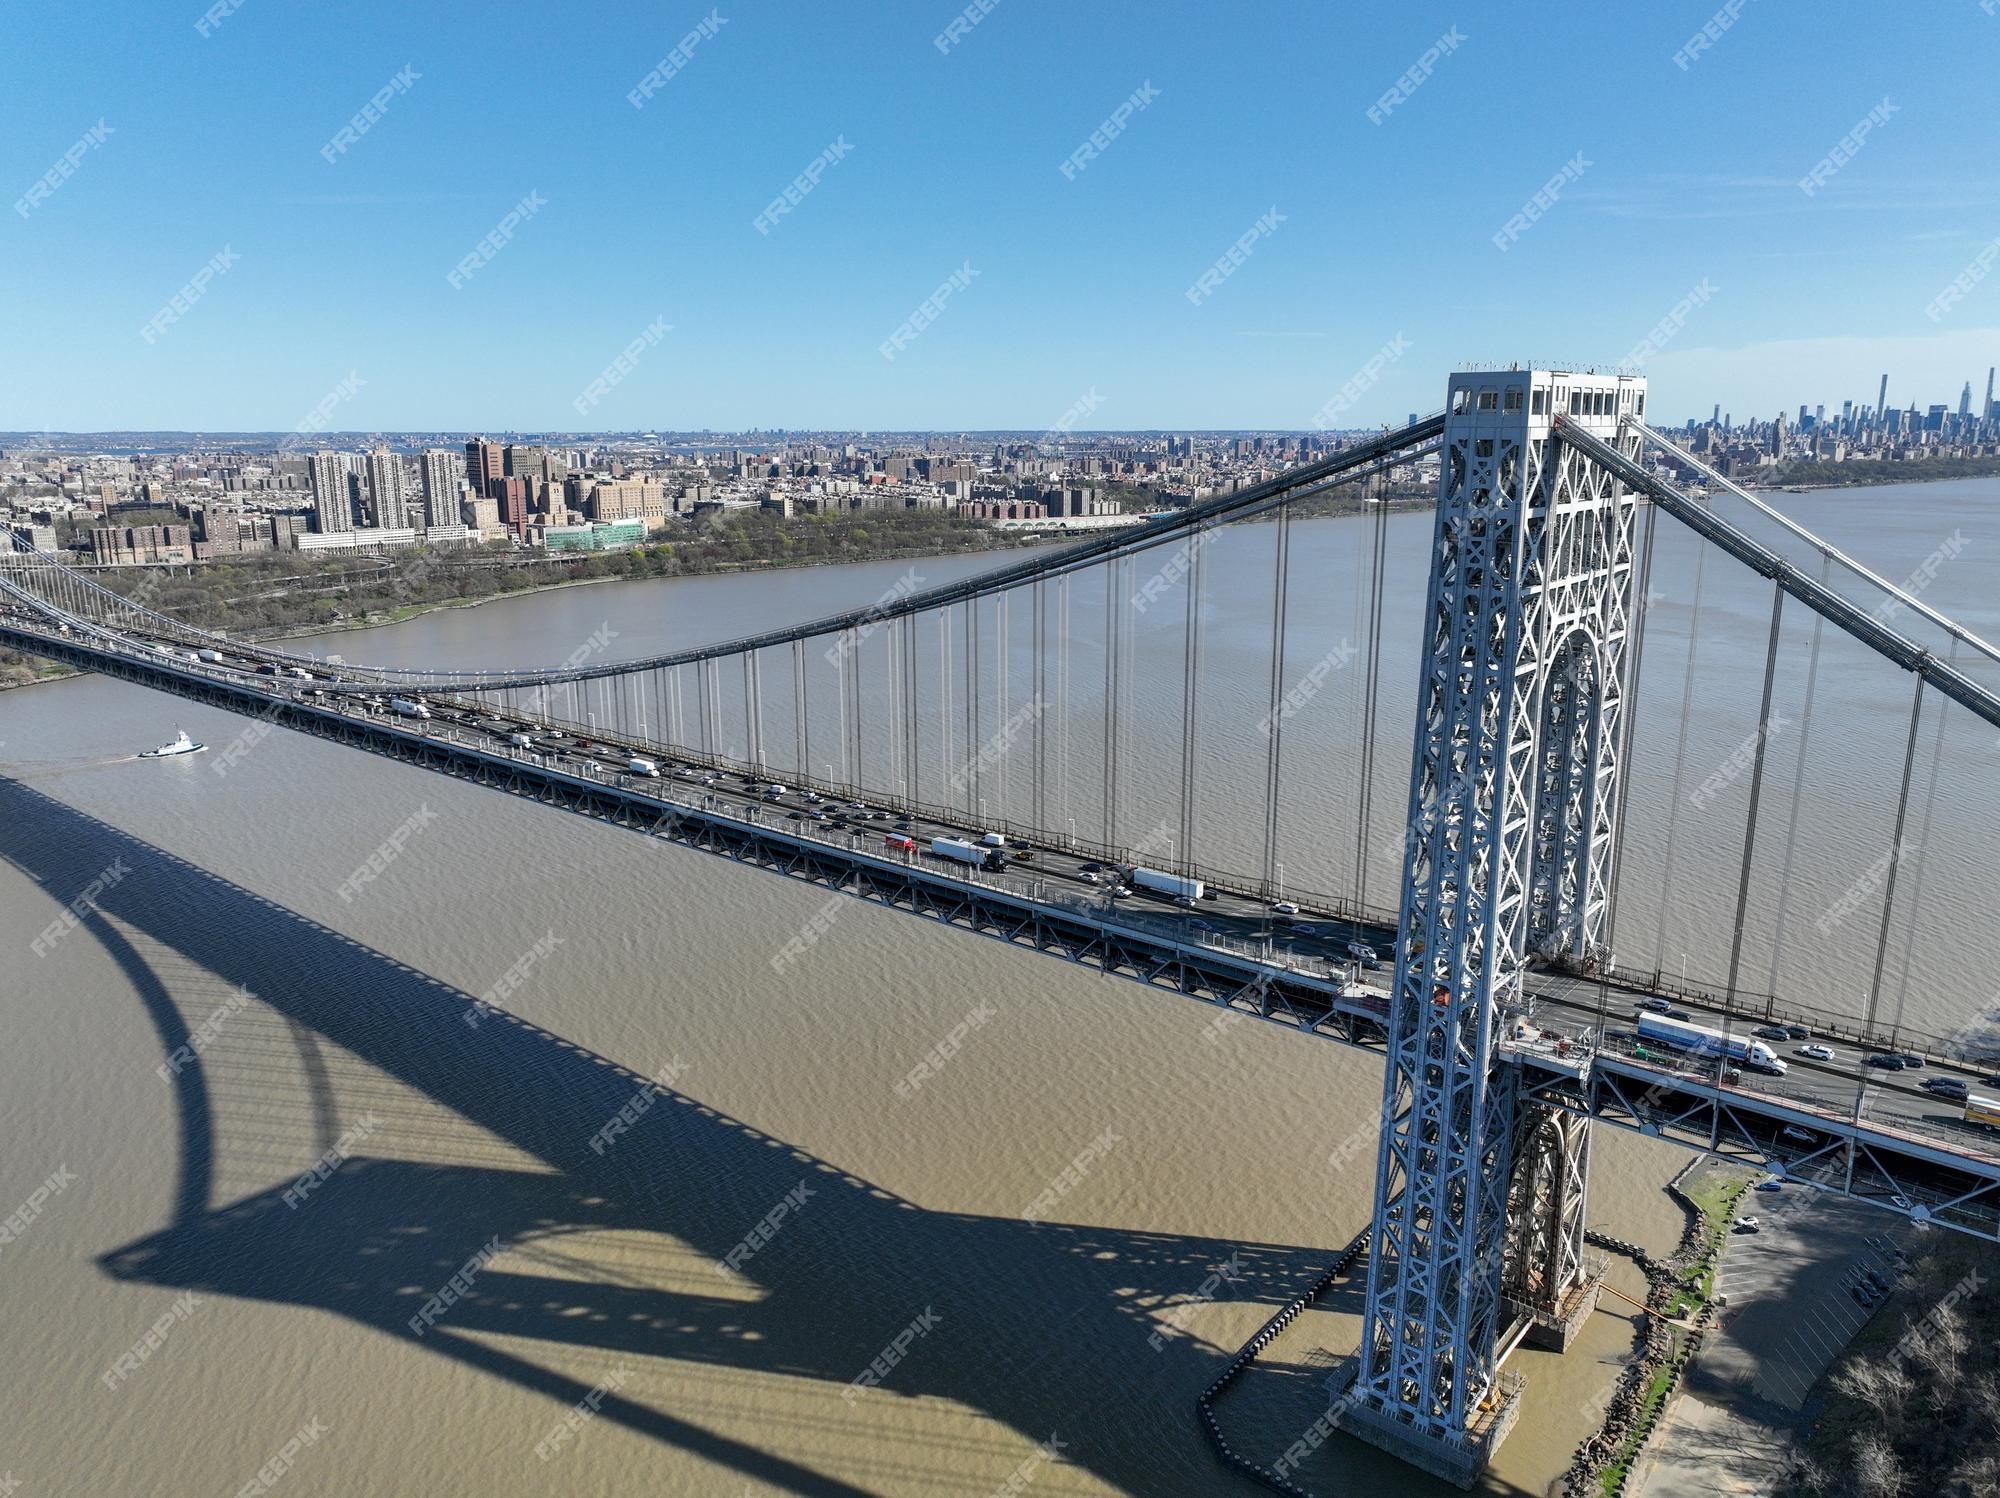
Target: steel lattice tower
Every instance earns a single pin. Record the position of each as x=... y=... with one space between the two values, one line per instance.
x=1479 y=1200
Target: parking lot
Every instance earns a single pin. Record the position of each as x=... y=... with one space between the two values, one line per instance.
x=1790 y=1289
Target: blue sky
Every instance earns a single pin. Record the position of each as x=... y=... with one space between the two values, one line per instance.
x=952 y=159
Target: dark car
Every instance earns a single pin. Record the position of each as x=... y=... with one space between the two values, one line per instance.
x=1680 y=1014
x=1913 y=1061
x=1772 y=1032
x=1950 y=1087
x=1886 y=1063
x=1797 y=1032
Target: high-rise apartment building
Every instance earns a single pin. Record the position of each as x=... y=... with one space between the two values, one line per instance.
x=332 y=509
x=443 y=477
x=388 y=498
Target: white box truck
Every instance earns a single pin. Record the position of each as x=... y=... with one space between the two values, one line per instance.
x=1167 y=884
x=640 y=766
x=958 y=850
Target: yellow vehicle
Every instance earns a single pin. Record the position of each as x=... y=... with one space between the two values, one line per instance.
x=1984 y=1111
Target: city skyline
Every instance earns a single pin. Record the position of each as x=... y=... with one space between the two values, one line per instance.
x=1173 y=216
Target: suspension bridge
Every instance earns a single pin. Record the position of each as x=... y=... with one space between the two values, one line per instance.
x=998 y=754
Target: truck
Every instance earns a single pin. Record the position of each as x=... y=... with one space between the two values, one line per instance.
x=958 y=850
x=213 y=657
x=408 y=707
x=1983 y=1111
x=993 y=840
x=1682 y=1035
x=900 y=844
x=640 y=766
x=1167 y=884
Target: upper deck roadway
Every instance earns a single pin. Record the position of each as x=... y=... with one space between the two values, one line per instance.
x=1827 y=1123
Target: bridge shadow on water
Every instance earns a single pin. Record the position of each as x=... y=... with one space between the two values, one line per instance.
x=1050 y=1323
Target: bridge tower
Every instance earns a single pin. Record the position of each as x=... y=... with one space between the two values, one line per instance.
x=1477 y=1241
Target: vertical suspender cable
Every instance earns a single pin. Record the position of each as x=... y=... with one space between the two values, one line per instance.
x=1798 y=784
x=1062 y=688
x=1371 y=696
x=1680 y=757
x=802 y=758
x=1889 y=891
x=1191 y=666
x=1923 y=848
x=1039 y=645
x=971 y=771
x=1003 y=665
x=1274 y=723
x=911 y=701
x=1763 y=740
x=1110 y=767
x=1628 y=734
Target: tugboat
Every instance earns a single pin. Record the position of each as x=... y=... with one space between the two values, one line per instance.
x=182 y=744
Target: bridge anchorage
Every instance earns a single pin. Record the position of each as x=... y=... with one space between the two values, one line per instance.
x=1477 y=1241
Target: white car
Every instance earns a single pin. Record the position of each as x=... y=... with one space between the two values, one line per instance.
x=1087 y=878
x=1814 y=1053
x=1121 y=893
x=1747 y=1224
x=1284 y=907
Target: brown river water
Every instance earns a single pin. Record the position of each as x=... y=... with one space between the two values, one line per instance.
x=1017 y=1245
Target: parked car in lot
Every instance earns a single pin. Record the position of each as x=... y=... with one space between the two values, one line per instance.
x=1769 y=1186
x=1814 y=1053
x=1886 y=1062
x=1747 y=1225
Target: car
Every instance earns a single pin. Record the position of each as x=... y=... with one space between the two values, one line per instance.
x=1656 y=1006
x=1303 y=928
x=1211 y=894
x=1769 y=1186
x=1747 y=1225
x=1025 y=855
x=1866 y=1300
x=1284 y=907
x=797 y=816
x=1199 y=925
x=1087 y=877
x=1123 y=892
x=1814 y=1053
x=1887 y=1062
x=1772 y=1032
x=1798 y=1135
x=1900 y=1203
x=1093 y=868
x=1680 y=1014
x=818 y=815
x=1992 y=1081
x=1951 y=1087
x=1912 y=1060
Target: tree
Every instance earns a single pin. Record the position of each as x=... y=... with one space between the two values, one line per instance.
x=1877 y=1473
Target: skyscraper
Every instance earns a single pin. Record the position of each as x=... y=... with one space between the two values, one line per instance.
x=387 y=499
x=484 y=465
x=444 y=476
x=1965 y=401
x=1882 y=396
x=332 y=510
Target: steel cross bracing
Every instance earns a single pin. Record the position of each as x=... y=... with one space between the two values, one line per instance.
x=1512 y=792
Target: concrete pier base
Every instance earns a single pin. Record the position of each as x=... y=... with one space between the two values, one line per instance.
x=1457 y=1459
x=1554 y=1330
